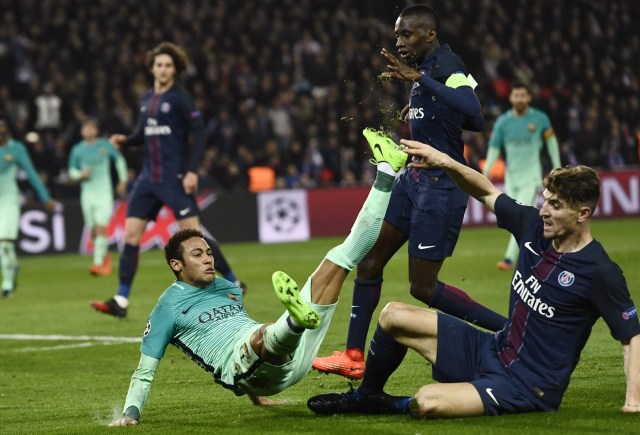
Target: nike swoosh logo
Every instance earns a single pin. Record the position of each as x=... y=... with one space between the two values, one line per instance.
x=489 y=392
x=528 y=246
x=187 y=310
x=184 y=211
x=379 y=148
x=421 y=246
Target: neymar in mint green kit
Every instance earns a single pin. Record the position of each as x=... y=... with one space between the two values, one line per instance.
x=14 y=156
x=204 y=316
x=90 y=164
x=520 y=133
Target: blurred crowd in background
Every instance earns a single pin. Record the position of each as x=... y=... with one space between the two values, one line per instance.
x=290 y=84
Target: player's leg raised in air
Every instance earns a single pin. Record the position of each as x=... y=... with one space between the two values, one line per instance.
x=310 y=309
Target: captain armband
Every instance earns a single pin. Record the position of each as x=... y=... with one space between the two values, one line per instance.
x=458 y=79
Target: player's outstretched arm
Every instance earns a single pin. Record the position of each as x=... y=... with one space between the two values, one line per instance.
x=632 y=373
x=138 y=391
x=470 y=181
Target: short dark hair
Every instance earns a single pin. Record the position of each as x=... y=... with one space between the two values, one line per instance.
x=521 y=85
x=174 y=250
x=179 y=56
x=578 y=185
x=91 y=120
x=422 y=11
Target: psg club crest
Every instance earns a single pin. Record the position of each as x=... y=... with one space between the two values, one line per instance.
x=165 y=107
x=565 y=279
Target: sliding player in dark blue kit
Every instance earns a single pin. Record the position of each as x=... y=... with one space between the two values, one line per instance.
x=172 y=132
x=563 y=282
x=426 y=207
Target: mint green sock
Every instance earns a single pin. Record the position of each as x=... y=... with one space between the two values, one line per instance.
x=279 y=339
x=8 y=264
x=100 y=246
x=366 y=228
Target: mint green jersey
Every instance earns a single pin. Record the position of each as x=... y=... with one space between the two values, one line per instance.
x=203 y=323
x=96 y=157
x=14 y=156
x=521 y=138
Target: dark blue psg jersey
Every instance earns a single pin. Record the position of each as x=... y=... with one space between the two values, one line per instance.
x=555 y=299
x=431 y=121
x=166 y=120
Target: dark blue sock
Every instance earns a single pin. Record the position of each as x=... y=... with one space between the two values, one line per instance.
x=385 y=355
x=128 y=267
x=221 y=264
x=366 y=295
x=456 y=302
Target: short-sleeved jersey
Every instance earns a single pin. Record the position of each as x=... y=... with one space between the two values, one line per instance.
x=432 y=121
x=554 y=301
x=203 y=323
x=96 y=158
x=166 y=120
x=14 y=156
x=521 y=138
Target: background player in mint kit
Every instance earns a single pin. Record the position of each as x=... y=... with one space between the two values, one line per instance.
x=563 y=282
x=426 y=207
x=520 y=132
x=14 y=156
x=172 y=131
x=204 y=316
x=90 y=164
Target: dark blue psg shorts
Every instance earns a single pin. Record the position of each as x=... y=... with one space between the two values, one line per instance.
x=467 y=354
x=431 y=214
x=147 y=199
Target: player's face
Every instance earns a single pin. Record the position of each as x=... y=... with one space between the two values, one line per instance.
x=89 y=131
x=520 y=99
x=196 y=269
x=559 y=218
x=413 y=39
x=163 y=69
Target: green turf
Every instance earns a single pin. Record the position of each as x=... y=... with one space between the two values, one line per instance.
x=49 y=387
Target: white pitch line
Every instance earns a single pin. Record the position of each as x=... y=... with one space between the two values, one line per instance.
x=64 y=346
x=99 y=338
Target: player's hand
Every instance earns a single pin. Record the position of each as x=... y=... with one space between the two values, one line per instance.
x=51 y=206
x=429 y=156
x=118 y=140
x=630 y=408
x=404 y=114
x=398 y=69
x=190 y=183
x=121 y=189
x=126 y=421
x=263 y=401
x=85 y=174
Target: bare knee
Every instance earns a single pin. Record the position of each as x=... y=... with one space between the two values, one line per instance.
x=133 y=233
x=390 y=315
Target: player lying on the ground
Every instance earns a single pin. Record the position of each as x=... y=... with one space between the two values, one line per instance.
x=204 y=316
x=562 y=283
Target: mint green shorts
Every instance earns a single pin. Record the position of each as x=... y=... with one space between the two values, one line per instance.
x=96 y=211
x=267 y=379
x=9 y=221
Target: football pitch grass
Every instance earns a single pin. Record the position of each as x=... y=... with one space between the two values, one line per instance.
x=66 y=369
